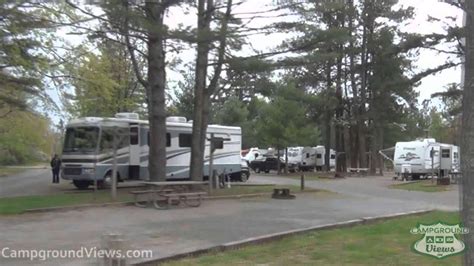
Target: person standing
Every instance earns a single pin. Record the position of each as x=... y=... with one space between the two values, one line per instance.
x=56 y=167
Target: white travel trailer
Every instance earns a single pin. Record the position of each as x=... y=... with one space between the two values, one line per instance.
x=88 y=149
x=321 y=155
x=304 y=158
x=424 y=156
x=254 y=154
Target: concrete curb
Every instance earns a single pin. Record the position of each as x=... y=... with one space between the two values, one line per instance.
x=276 y=236
x=127 y=203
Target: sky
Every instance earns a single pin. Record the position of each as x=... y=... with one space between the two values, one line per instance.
x=426 y=58
x=419 y=24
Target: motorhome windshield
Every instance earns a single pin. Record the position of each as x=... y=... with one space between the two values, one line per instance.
x=81 y=139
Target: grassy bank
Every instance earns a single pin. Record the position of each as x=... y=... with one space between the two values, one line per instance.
x=423 y=185
x=15 y=205
x=383 y=243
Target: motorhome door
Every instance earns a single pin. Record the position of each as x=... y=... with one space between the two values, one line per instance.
x=134 y=161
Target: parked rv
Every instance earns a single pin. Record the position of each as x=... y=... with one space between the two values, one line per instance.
x=254 y=154
x=423 y=157
x=302 y=158
x=88 y=149
x=321 y=157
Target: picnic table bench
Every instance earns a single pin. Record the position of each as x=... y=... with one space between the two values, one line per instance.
x=165 y=194
x=358 y=171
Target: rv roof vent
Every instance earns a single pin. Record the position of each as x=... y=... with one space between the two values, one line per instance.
x=177 y=119
x=127 y=115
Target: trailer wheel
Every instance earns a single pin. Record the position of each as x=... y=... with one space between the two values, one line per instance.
x=257 y=170
x=81 y=184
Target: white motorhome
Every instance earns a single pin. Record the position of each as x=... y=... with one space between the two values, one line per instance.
x=424 y=156
x=321 y=157
x=88 y=149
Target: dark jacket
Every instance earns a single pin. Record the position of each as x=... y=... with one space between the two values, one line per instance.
x=56 y=163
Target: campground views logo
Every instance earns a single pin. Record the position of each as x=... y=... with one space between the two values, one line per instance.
x=439 y=239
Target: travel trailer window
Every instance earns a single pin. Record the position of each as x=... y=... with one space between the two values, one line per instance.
x=445 y=153
x=307 y=155
x=83 y=139
x=185 y=140
x=456 y=155
x=333 y=156
x=319 y=156
x=168 y=139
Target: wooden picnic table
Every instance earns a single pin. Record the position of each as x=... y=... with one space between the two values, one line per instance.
x=163 y=194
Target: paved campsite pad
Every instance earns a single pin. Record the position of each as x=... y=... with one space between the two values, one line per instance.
x=180 y=230
x=215 y=222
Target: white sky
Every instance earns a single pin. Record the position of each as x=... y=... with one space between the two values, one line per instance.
x=426 y=59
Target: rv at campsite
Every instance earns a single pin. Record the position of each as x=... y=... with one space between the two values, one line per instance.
x=425 y=157
x=89 y=148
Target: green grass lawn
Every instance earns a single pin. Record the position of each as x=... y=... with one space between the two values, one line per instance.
x=15 y=205
x=383 y=243
x=423 y=185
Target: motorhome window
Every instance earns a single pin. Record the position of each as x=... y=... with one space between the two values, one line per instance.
x=307 y=155
x=81 y=139
x=319 y=156
x=445 y=153
x=185 y=140
x=134 y=136
x=107 y=139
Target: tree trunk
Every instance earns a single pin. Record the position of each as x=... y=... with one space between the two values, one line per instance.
x=200 y=93
x=467 y=136
x=156 y=85
x=339 y=129
x=373 y=150
x=354 y=130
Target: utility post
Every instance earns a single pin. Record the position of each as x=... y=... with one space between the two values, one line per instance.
x=116 y=140
x=213 y=141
